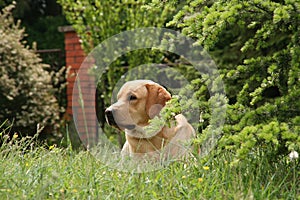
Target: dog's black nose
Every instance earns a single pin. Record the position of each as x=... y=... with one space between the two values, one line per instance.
x=109 y=115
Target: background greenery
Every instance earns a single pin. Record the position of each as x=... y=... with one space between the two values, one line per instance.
x=26 y=91
x=256 y=46
x=41 y=19
x=39 y=93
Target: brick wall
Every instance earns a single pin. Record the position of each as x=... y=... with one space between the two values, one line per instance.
x=85 y=117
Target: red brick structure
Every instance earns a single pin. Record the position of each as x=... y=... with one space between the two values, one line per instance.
x=85 y=117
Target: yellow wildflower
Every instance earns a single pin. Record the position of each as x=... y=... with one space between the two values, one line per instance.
x=200 y=180
x=52 y=147
x=15 y=136
x=206 y=168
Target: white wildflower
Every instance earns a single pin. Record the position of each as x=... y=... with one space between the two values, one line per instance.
x=294 y=155
x=201 y=120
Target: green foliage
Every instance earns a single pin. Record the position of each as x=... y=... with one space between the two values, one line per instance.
x=97 y=21
x=256 y=45
x=26 y=91
x=41 y=19
x=44 y=32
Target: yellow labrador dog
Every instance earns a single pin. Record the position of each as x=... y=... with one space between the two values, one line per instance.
x=138 y=102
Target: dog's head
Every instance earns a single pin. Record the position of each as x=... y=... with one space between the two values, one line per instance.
x=138 y=101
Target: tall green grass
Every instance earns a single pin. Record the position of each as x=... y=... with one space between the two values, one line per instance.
x=30 y=170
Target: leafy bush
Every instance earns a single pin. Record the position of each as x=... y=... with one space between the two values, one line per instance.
x=256 y=45
x=26 y=91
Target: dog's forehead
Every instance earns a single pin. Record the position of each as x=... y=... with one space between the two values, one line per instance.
x=132 y=86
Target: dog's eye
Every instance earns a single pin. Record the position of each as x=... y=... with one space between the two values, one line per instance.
x=132 y=97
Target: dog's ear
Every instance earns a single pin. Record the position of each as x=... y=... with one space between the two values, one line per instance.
x=156 y=100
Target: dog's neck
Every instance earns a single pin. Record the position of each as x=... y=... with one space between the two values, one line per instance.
x=145 y=144
x=143 y=132
x=149 y=138
x=142 y=141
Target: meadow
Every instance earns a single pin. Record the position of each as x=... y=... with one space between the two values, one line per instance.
x=31 y=170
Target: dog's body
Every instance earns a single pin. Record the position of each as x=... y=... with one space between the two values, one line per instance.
x=138 y=102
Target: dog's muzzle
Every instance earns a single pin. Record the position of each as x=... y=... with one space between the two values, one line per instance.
x=109 y=116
